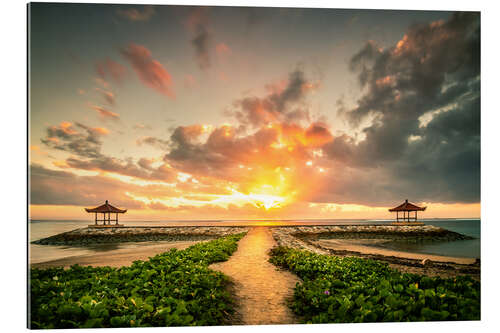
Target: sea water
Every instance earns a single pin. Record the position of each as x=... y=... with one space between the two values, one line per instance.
x=470 y=248
x=38 y=229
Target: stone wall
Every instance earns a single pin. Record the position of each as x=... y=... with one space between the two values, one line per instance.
x=90 y=235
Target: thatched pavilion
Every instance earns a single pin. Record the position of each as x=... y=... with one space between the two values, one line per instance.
x=407 y=207
x=106 y=209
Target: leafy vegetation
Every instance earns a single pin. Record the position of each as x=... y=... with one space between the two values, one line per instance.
x=350 y=289
x=175 y=288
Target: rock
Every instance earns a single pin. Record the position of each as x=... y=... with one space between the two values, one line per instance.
x=91 y=235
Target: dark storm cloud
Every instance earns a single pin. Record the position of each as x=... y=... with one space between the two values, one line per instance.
x=198 y=23
x=255 y=17
x=201 y=43
x=432 y=72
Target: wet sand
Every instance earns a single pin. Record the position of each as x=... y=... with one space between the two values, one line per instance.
x=260 y=289
x=118 y=257
x=369 y=247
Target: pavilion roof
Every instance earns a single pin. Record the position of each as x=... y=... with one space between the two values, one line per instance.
x=106 y=208
x=406 y=206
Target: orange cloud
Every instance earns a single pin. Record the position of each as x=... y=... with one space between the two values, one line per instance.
x=150 y=71
x=106 y=114
x=101 y=130
x=108 y=95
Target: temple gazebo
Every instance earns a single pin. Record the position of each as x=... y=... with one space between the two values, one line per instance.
x=407 y=207
x=106 y=209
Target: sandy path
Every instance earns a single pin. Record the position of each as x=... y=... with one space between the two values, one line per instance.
x=116 y=258
x=260 y=289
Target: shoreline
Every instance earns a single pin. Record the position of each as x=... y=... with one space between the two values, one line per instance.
x=332 y=241
x=115 y=258
x=341 y=240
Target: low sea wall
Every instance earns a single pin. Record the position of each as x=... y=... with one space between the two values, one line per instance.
x=308 y=238
x=91 y=235
x=418 y=233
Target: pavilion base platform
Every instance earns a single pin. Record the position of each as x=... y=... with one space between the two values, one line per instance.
x=406 y=223
x=106 y=225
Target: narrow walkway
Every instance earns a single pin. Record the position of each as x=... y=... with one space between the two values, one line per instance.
x=260 y=290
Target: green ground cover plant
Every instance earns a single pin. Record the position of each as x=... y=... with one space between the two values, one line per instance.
x=175 y=288
x=351 y=289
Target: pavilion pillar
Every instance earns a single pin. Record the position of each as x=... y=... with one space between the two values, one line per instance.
x=96 y=218
x=116 y=219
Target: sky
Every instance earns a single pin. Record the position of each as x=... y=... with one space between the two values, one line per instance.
x=178 y=112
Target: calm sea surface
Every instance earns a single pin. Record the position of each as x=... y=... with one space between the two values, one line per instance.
x=41 y=229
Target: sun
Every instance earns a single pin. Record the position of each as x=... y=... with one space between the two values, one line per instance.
x=267 y=201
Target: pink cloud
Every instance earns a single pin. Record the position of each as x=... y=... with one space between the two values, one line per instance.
x=109 y=68
x=150 y=71
x=222 y=49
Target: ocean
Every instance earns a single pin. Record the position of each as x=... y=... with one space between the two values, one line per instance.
x=38 y=229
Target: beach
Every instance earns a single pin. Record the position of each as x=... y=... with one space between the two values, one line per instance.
x=120 y=246
x=261 y=292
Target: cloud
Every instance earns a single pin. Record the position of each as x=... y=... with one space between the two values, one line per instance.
x=418 y=119
x=198 y=24
x=201 y=43
x=150 y=71
x=50 y=187
x=152 y=141
x=75 y=138
x=256 y=111
x=110 y=69
x=107 y=95
x=433 y=71
x=85 y=144
x=141 y=126
x=123 y=167
x=136 y=15
x=248 y=160
x=223 y=50
x=105 y=113
x=274 y=137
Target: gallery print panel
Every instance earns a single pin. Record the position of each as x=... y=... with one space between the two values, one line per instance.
x=211 y=165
